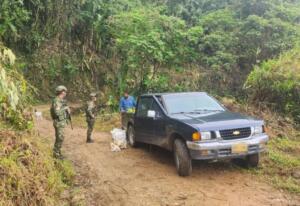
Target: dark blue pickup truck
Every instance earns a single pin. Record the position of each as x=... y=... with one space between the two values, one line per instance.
x=195 y=126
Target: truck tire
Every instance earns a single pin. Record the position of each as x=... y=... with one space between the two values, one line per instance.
x=182 y=158
x=131 y=136
x=252 y=160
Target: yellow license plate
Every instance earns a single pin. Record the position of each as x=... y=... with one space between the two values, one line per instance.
x=239 y=148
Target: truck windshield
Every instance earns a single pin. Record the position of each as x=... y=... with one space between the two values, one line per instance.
x=191 y=103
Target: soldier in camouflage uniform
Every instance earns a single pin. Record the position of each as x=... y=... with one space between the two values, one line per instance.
x=59 y=109
x=91 y=116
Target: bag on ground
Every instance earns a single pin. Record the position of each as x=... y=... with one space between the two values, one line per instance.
x=119 y=138
x=114 y=147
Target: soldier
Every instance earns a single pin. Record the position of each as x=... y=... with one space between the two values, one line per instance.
x=59 y=112
x=91 y=116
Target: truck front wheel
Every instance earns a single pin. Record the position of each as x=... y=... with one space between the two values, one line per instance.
x=182 y=158
x=252 y=160
x=131 y=136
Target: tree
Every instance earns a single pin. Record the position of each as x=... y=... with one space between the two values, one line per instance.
x=13 y=17
x=147 y=43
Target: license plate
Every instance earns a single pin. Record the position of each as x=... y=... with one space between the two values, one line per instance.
x=239 y=148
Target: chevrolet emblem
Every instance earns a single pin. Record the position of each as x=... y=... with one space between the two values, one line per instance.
x=236 y=132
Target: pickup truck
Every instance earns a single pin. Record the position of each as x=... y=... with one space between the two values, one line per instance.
x=194 y=125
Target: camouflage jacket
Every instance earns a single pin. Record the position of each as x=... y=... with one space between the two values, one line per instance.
x=59 y=109
x=91 y=110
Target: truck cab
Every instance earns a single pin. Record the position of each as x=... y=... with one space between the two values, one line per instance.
x=194 y=125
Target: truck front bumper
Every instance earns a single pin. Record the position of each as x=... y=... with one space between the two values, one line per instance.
x=223 y=149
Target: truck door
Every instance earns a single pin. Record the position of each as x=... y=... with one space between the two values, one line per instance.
x=143 y=125
x=159 y=136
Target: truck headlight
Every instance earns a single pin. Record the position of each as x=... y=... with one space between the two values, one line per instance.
x=258 y=130
x=205 y=135
x=197 y=136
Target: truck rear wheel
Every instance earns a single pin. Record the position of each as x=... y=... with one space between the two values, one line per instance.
x=131 y=136
x=182 y=158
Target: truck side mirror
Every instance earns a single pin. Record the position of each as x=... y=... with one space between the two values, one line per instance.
x=151 y=113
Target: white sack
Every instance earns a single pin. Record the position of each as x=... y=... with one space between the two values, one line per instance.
x=119 y=138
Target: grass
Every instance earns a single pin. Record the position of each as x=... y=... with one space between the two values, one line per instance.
x=281 y=162
x=282 y=159
x=104 y=122
x=29 y=175
x=285 y=144
x=288 y=184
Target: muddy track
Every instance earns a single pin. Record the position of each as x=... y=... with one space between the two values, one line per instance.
x=147 y=176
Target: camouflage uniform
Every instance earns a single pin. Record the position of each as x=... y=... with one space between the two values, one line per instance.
x=90 y=117
x=59 y=115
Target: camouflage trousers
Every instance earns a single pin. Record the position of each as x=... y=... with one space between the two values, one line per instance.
x=90 y=124
x=59 y=127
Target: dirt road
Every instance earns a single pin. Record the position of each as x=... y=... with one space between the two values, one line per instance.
x=145 y=176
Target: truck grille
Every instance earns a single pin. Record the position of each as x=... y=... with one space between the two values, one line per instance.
x=235 y=133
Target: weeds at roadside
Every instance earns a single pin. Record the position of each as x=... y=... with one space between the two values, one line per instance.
x=29 y=174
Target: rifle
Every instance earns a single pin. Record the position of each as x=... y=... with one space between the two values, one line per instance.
x=68 y=115
x=69 y=118
x=99 y=107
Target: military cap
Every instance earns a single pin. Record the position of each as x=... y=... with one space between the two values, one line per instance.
x=60 y=88
x=93 y=94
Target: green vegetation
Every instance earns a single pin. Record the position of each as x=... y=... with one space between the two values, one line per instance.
x=277 y=83
x=283 y=162
x=148 y=43
x=29 y=174
x=14 y=91
x=145 y=45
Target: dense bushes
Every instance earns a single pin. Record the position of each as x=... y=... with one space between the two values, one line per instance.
x=96 y=43
x=29 y=175
x=14 y=92
x=146 y=45
x=277 y=83
x=150 y=44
